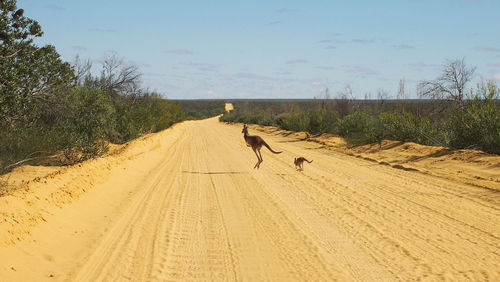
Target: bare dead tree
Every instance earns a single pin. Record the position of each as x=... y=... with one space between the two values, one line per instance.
x=344 y=102
x=382 y=96
x=323 y=99
x=119 y=77
x=326 y=98
x=401 y=90
x=450 y=85
x=81 y=69
x=401 y=94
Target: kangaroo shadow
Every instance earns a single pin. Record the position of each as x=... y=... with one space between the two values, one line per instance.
x=215 y=172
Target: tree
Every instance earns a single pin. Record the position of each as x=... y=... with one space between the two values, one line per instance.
x=401 y=94
x=401 y=91
x=323 y=99
x=344 y=101
x=28 y=73
x=82 y=71
x=450 y=85
x=118 y=77
x=382 y=96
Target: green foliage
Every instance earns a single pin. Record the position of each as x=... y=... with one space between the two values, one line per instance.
x=76 y=125
x=138 y=115
x=88 y=122
x=294 y=121
x=28 y=74
x=49 y=108
x=408 y=127
x=361 y=128
x=421 y=121
x=262 y=118
x=478 y=127
x=322 y=121
x=25 y=142
x=201 y=109
x=314 y=121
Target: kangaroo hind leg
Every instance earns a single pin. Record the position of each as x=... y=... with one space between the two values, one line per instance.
x=258 y=159
x=261 y=159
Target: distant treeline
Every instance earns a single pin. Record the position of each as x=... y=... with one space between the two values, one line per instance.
x=475 y=124
x=201 y=109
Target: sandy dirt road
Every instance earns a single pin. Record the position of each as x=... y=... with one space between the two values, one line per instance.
x=189 y=206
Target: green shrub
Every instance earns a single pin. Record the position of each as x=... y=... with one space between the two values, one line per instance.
x=148 y=113
x=79 y=122
x=48 y=107
x=478 y=127
x=201 y=109
x=360 y=128
x=89 y=121
x=408 y=127
x=294 y=121
x=426 y=122
x=322 y=121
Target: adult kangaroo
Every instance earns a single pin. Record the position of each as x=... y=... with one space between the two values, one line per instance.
x=256 y=142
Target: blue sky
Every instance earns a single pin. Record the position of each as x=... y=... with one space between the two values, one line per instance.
x=276 y=49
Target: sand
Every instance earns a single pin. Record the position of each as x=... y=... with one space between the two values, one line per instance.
x=185 y=204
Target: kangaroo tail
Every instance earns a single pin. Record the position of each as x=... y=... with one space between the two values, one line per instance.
x=308 y=161
x=265 y=144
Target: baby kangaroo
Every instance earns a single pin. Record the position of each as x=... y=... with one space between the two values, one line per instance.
x=299 y=162
x=256 y=142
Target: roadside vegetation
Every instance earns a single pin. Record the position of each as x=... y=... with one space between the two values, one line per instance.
x=451 y=116
x=201 y=109
x=55 y=112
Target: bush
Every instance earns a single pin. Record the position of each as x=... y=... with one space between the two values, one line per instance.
x=138 y=115
x=478 y=127
x=201 y=109
x=294 y=121
x=322 y=121
x=79 y=122
x=408 y=127
x=89 y=121
x=361 y=128
x=48 y=106
x=425 y=122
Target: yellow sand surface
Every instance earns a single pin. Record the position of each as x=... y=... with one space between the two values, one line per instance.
x=229 y=107
x=185 y=204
